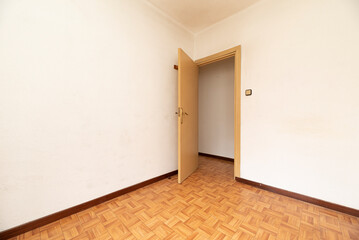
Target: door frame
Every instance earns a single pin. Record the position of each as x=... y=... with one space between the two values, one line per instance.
x=236 y=53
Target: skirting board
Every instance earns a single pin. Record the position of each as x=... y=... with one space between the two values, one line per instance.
x=215 y=156
x=12 y=232
x=304 y=198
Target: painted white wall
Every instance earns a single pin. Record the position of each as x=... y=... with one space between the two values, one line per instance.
x=300 y=128
x=87 y=100
x=216 y=108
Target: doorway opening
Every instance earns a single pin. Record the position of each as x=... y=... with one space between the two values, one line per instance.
x=216 y=110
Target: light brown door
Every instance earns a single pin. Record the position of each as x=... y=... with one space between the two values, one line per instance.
x=187 y=116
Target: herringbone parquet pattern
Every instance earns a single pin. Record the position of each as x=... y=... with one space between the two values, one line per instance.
x=208 y=205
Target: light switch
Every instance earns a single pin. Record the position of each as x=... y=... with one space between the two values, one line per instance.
x=248 y=92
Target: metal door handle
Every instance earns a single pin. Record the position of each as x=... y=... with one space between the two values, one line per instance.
x=183 y=112
x=180 y=114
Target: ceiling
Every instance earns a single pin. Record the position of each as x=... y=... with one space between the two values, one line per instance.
x=196 y=15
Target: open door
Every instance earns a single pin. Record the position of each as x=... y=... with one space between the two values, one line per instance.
x=187 y=116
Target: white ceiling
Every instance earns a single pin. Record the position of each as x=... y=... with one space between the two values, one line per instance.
x=195 y=15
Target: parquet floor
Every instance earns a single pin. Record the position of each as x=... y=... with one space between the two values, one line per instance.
x=208 y=205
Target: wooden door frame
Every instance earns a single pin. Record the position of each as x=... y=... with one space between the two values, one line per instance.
x=236 y=53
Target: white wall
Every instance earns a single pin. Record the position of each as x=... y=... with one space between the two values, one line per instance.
x=216 y=108
x=87 y=100
x=300 y=128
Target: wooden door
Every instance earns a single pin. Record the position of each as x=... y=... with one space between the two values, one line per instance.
x=187 y=116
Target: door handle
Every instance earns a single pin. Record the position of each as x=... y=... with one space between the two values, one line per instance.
x=183 y=113
x=180 y=114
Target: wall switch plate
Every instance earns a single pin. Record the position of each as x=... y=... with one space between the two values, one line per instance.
x=248 y=92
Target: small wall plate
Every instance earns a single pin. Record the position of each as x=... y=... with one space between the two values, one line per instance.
x=248 y=92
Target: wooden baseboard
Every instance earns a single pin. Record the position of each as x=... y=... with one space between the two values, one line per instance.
x=304 y=198
x=215 y=156
x=12 y=232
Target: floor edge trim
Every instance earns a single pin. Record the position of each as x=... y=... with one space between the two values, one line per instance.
x=215 y=156
x=301 y=197
x=15 y=231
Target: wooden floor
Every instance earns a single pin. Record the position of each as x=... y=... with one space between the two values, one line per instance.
x=208 y=205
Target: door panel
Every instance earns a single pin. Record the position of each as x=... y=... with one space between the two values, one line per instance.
x=187 y=116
